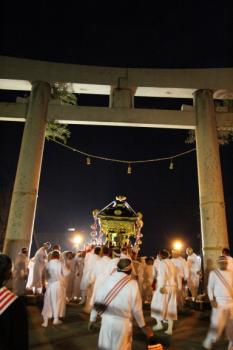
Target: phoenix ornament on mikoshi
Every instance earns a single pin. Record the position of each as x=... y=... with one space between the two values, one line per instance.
x=118 y=225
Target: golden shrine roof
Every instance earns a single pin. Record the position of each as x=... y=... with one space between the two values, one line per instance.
x=118 y=209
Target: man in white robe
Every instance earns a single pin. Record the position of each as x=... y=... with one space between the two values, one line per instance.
x=103 y=265
x=40 y=260
x=67 y=258
x=89 y=278
x=54 y=299
x=85 y=277
x=55 y=247
x=78 y=267
x=117 y=314
x=194 y=268
x=103 y=269
x=220 y=293
x=20 y=272
x=182 y=275
x=164 y=301
x=30 y=273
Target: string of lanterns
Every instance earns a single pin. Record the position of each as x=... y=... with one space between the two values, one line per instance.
x=129 y=163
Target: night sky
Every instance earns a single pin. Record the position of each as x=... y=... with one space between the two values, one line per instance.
x=166 y=37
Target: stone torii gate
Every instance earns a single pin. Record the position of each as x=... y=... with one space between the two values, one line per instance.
x=121 y=84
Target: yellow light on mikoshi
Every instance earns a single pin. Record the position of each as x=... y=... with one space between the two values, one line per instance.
x=177 y=245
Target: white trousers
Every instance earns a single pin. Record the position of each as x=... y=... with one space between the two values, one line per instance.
x=193 y=283
x=54 y=301
x=164 y=306
x=115 y=333
x=221 y=318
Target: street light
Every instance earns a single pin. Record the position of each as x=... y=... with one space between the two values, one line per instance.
x=77 y=239
x=178 y=245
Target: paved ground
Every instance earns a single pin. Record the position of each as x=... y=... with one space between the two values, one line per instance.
x=189 y=332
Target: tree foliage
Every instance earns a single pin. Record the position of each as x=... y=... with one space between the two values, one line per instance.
x=54 y=130
x=60 y=92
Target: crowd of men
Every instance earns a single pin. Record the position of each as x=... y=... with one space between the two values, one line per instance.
x=112 y=285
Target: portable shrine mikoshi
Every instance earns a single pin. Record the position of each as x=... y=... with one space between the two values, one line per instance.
x=119 y=225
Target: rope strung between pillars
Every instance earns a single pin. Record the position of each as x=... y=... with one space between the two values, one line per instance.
x=90 y=156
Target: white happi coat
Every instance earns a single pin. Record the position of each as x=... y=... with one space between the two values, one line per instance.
x=30 y=273
x=88 y=280
x=89 y=264
x=40 y=260
x=114 y=263
x=79 y=264
x=125 y=256
x=182 y=275
x=20 y=274
x=55 y=298
x=116 y=325
x=164 y=306
x=194 y=266
x=222 y=316
x=70 y=278
x=182 y=267
x=103 y=267
x=99 y=278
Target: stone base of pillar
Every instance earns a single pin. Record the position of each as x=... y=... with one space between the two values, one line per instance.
x=211 y=255
x=13 y=247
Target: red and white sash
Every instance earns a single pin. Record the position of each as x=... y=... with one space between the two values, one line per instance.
x=114 y=291
x=6 y=299
x=224 y=282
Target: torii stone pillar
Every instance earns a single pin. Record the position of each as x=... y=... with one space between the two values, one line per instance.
x=24 y=198
x=212 y=206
